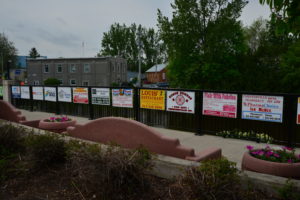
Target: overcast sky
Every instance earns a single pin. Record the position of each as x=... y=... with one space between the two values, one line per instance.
x=57 y=28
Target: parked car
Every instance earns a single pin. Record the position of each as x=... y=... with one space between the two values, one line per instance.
x=162 y=85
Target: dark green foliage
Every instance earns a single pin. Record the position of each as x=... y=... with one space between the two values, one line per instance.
x=47 y=149
x=7 y=52
x=246 y=135
x=33 y=53
x=288 y=191
x=114 y=172
x=52 y=82
x=11 y=139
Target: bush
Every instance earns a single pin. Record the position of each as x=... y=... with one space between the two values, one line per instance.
x=52 y=82
x=11 y=139
x=47 y=150
x=114 y=173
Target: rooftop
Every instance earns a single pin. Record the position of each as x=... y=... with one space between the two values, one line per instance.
x=157 y=68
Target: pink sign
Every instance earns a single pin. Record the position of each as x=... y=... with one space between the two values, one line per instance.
x=219 y=104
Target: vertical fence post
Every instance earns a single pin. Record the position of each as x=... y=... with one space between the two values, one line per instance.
x=136 y=105
x=91 y=110
x=290 y=119
x=57 y=108
x=198 y=111
x=31 y=98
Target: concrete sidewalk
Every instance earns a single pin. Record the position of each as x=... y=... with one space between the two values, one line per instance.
x=233 y=149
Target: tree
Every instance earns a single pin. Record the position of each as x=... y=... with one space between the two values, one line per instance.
x=51 y=82
x=205 y=43
x=123 y=41
x=33 y=53
x=7 y=52
x=285 y=13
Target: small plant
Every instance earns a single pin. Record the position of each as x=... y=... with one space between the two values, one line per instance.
x=281 y=154
x=288 y=191
x=47 y=149
x=250 y=135
x=58 y=119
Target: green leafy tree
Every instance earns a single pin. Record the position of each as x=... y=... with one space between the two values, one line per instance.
x=122 y=40
x=33 y=53
x=52 y=82
x=7 y=52
x=286 y=15
x=205 y=43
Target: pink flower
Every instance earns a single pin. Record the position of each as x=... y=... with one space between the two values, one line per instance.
x=288 y=148
x=276 y=155
x=249 y=147
x=269 y=153
x=52 y=118
x=260 y=153
x=299 y=156
x=290 y=161
x=254 y=152
x=268 y=147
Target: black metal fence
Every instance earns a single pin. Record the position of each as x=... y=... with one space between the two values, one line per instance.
x=285 y=132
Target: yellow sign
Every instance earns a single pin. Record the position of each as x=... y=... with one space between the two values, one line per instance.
x=152 y=99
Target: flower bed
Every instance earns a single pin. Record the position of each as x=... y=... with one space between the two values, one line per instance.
x=56 y=124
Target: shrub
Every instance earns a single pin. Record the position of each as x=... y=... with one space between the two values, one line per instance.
x=115 y=173
x=247 y=135
x=288 y=191
x=47 y=149
x=52 y=82
x=11 y=139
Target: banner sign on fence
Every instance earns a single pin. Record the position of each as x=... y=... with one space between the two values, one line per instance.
x=81 y=95
x=16 y=92
x=50 y=94
x=122 y=98
x=37 y=93
x=298 y=111
x=100 y=96
x=264 y=108
x=220 y=104
x=180 y=101
x=64 y=94
x=152 y=99
x=1 y=91
x=25 y=93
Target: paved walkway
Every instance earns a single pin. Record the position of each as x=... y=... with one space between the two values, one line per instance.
x=233 y=149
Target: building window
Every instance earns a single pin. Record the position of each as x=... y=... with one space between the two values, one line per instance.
x=86 y=68
x=72 y=68
x=36 y=82
x=61 y=82
x=72 y=82
x=85 y=83
x=59 y=68
x=46 y=68
x=164 y=76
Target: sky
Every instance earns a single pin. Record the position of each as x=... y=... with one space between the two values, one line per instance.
x=74 y=28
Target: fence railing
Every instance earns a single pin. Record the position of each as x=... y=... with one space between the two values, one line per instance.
x=199 y=111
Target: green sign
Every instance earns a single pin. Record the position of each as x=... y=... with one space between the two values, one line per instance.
x=1 y=91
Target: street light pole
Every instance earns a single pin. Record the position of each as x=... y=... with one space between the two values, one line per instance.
x=2 y=70
x=8 y=69
x=139 y=58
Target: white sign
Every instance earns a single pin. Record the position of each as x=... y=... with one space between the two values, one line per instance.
x=219 y=104
x=25 y=94
x=264 y=108
x=122 y=98
x=50 y=93
x=64 y=94
x=16 y=92
x=100 y=96
x=181 y=101
x=37 y=93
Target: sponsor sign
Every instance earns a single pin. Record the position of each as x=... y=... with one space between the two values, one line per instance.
x=219 y=104
x=122 y=98
x=298 y=111
x=81 y=95
x=181 y=101
x=25 y=94
x=100 y=96
x=37 y=93
x=64 y=94
x=152 y=99
x=1 y=91
x=16 y=92
x=264 y=108
x=50 y=94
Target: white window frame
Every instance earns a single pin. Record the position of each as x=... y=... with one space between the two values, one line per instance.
x=71 y=70
x=57 y=66
x=84 y=68
x=72 y=80
x=46 y=65
x=85 y=82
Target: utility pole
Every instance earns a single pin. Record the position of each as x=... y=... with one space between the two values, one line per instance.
x=139 y=57
x=2 y=70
